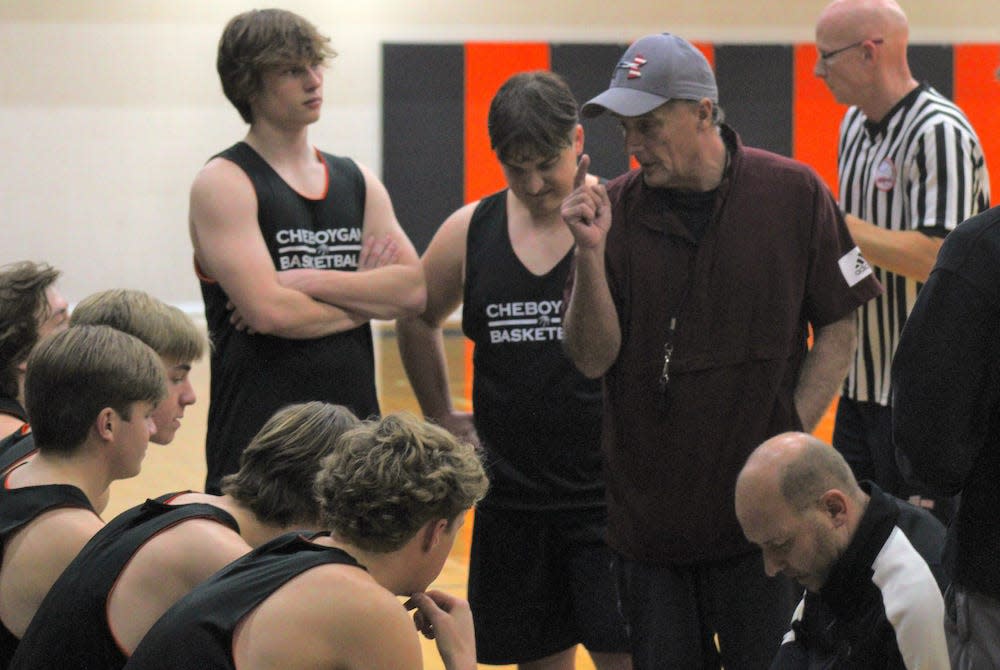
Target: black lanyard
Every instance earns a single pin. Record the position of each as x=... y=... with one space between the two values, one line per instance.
x=675 y=312
x=668 y=346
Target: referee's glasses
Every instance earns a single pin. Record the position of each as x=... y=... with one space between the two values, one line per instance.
x=825 y=56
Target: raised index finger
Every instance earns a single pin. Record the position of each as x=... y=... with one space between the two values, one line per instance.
x=581 y=171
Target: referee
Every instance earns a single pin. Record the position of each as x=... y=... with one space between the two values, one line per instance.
x=910 y=169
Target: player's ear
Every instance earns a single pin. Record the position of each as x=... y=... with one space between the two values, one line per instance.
x=432 y=533
x=834 y=504
x=105 y=423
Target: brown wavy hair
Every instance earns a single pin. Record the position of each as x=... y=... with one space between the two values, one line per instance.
x=262 y=39
x=279 y=466
x=23 y=305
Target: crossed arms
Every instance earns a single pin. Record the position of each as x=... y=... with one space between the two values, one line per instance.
x=300 y=304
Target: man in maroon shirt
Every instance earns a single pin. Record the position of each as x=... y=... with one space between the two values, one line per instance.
x=697 y=279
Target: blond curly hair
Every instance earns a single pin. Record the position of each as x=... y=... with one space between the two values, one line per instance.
x=387 y=478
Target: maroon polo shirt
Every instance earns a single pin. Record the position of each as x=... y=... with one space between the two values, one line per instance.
x=768 y=266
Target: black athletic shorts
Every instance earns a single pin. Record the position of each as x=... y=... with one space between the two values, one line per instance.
x=541 y=582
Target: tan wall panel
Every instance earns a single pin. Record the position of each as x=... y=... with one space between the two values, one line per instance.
x=109 y=107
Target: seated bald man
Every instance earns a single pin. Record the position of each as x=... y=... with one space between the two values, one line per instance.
x=866 y=559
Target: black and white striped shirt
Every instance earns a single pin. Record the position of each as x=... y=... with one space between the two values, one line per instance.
x=920 y=168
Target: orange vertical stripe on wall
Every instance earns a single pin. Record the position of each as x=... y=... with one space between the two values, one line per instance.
x=467 y=376
x=708 y=50
x=815 y=127
x=977 y=92
x=816 y=118
x=487 y=66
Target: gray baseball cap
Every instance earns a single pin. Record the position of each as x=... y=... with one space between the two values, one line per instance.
x=654 y=70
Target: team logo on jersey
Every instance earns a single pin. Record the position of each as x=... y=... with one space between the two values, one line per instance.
x=532 y=321
x=328 y=249
x=885 y=175
x=854 y=267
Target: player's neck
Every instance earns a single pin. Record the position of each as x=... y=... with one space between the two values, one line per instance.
x=280 y=145
x=539 y=241
x=390 y=569
x=77 y=469
x=254 y=531
x=525 y=217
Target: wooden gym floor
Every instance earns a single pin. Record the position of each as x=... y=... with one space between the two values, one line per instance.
x=181 y=465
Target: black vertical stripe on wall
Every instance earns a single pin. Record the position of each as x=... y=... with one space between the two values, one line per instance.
x=934 y=64
x=755 y=91
x=587 y=69
x=423 y=117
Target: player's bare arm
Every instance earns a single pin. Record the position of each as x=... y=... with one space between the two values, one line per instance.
x=34 y=558
x=167 y=568
x=421 y=339
x=364 y=627
x=229 y=248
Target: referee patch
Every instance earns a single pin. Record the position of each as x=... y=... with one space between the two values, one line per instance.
x=854 y=267
x=885 y=175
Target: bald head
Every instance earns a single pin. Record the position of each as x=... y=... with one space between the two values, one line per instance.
x=867 y=18
x=798 y=501
x=798 y=467
x=874 y=74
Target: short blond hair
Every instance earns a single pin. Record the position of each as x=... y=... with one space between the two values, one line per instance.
x=169 y=331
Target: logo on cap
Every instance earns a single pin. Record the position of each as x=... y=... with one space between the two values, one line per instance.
x=633 y=66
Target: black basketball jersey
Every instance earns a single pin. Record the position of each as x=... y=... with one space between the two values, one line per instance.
x=18 y=508
x=16 y=447
x=70 y=629
x=537 y=415
x=197 y=632
x=253 y=376
x=11 y=406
